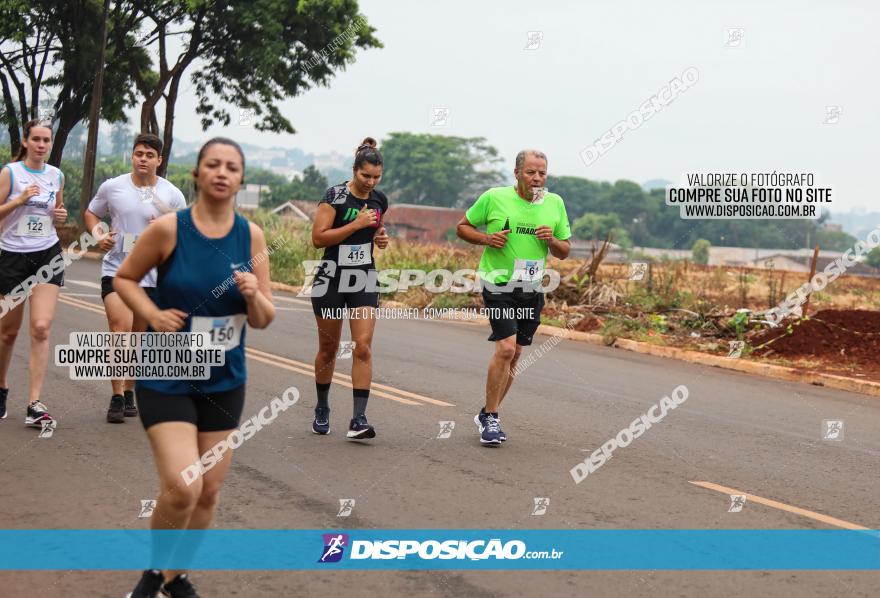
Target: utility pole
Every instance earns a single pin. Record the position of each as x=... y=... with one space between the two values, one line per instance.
x=90 y=156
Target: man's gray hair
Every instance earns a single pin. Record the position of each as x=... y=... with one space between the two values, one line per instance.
x=521 y=157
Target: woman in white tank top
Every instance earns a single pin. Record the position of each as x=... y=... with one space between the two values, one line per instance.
x=30 y=259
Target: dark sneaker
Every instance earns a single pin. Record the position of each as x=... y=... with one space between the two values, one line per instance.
x=4 y=392
x=480 y=420
x=180 y=587
x=149 y=586
x=131 y=409
x=359 y=429
x=116 y=412
x=36 y=415
x=491 y=433
x=321 y=425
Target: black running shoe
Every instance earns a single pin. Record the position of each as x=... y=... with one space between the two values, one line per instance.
x=4 y=392
x=149 y=586
x=131 y=409
x=359 y=429
x=36 y=415
x=116 y=412
x=321 y=424
x=180 y=587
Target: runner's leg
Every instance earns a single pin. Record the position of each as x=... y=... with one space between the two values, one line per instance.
x=43 y=300
x=9 y=327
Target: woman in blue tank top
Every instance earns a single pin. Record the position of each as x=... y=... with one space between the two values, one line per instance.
x=195 y=251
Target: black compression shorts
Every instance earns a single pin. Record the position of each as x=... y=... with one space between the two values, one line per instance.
x=212 y=412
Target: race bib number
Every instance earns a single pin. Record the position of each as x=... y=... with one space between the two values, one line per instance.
x=224 y=330
x=128 y=241
x=355 y=255
x=34 y=226
x=528 y=270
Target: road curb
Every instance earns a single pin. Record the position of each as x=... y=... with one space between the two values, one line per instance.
x=767 y=370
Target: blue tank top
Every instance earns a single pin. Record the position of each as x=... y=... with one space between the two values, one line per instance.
x=192 y=280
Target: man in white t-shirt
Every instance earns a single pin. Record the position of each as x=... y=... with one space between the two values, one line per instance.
x=132 y=201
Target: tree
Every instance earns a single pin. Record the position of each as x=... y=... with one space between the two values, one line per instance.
x=834 y=240
x=873 y=258
x=438 y=170
x=250 y=54
x=591 y=226
x=48 y=54
x=700 y=251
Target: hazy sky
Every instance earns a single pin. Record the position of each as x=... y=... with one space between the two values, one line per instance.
x=760 y=106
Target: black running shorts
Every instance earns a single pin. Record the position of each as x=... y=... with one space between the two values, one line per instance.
x=514 y=312
x=16 y=267
x=213 y=412
x=107 y=288
x=330 y=304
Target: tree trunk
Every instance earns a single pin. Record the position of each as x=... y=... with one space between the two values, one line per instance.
x=12 y=122
x=88 y=180
x=67 y=120
x=168 y=133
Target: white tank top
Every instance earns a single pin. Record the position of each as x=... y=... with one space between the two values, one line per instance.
x=30 y=227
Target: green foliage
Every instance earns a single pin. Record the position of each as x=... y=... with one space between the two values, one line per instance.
x=873 y=258
x=310 y=186
x=700 y=251
x=739 y=323
x=597 y=226
x=437 y=170
x=832 y=240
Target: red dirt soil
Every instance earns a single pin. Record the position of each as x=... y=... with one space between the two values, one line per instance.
x=845 y=342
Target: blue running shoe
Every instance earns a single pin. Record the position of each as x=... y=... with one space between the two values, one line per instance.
x=359 y=429
x=321 y=425
x=491 y=434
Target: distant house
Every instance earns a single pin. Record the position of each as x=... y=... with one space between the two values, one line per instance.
x=294 y=210
x=802 y=264
x=248 y=197
x=421 y=223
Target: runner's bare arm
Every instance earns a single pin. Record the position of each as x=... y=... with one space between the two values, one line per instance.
x=323 y=233
x=468 y=232
x=257 y=292
x=60 y=213
x=153 y=247
x=14 y=202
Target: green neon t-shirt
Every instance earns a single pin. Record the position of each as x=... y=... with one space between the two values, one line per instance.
x=503 y=205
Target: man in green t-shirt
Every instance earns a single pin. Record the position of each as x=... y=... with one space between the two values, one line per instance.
x=522 y=224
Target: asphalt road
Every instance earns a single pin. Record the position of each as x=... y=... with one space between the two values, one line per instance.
x=735 y=431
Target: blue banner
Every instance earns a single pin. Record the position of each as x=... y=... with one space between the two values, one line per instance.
x=398 y=549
